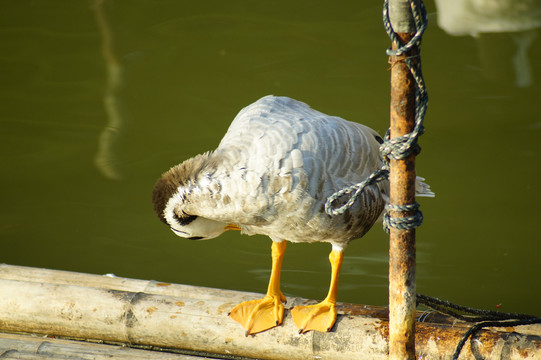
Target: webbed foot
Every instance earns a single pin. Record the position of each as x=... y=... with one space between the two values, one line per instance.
x=259 y=315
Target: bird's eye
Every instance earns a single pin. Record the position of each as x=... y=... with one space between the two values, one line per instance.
x=184 y=219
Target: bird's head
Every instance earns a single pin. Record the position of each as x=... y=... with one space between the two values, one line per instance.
x=171 y=197
x=193 y=227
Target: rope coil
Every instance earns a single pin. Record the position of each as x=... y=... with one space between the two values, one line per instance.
x=402 y=223
x=400 y=147
x=482 y=318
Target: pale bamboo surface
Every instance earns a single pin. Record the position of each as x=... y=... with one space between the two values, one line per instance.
x=17 y=346
x=151 y=313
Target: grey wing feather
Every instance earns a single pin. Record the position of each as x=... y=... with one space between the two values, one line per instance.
x=283 y=156
x=268 y=130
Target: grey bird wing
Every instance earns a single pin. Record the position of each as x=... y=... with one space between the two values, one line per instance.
x=280 y=158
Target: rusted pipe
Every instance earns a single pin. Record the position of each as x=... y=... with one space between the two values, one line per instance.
x=402 y=181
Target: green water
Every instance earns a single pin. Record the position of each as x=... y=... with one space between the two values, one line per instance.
x=143 y=85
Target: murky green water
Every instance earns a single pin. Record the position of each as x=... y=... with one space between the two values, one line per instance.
x=98 y=100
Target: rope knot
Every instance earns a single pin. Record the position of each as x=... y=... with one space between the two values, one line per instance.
x=400 y=147
x=405 y=222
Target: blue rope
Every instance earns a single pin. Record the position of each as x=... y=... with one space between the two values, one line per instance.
x=400 y=147
x=402 y=223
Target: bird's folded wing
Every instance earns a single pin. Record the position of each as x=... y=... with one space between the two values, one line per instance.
x=279 y=155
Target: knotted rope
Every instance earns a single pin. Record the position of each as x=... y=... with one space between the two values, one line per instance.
x=399 y=147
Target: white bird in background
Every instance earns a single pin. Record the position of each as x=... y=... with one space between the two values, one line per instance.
x=271 y=174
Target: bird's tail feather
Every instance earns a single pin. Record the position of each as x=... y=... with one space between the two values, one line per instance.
x=422 y=188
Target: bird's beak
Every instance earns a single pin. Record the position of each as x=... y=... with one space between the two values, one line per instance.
x=232 y=227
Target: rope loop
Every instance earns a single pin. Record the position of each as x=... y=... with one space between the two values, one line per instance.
x=419 y=15
x=353 y=191
x=400 y=147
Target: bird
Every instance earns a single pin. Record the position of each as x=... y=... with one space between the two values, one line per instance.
x=271 y=174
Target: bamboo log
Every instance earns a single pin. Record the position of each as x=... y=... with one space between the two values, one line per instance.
x=192 y=318
x=17 y=346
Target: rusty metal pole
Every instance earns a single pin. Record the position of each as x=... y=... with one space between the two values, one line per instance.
x=402 y=181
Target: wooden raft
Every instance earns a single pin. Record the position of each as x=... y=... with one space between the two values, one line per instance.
x=153 y=315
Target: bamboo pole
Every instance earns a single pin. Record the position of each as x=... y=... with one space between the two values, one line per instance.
x=150 y=313
x=19 y=346
x=402 y=192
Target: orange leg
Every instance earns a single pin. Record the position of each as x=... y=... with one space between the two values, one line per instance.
x=260 y=315
x=321 y=316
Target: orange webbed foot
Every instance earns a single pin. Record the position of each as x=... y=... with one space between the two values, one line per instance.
x=320 y=317
x=259 y=315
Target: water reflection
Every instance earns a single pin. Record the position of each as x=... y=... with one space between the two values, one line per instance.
x=106 y=158
x=504 y=31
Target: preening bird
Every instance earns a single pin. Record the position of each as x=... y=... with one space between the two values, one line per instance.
x=271 y=174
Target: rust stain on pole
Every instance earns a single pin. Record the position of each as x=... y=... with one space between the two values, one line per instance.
x=402 y=242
